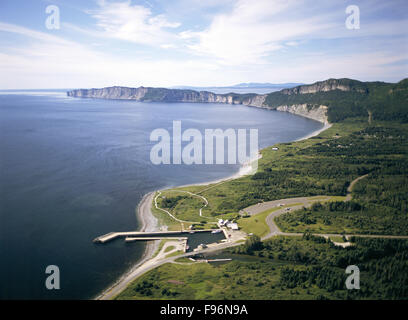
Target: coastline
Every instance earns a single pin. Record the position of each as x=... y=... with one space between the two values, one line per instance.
x=243 y=170
x=150 y=223
x=144 y=214
x=315 y=133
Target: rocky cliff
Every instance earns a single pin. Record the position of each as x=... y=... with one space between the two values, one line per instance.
x=178 y=95
x=282 y=100
x=168 y=95
x=332 y=99
x=328 y=85
x=318 y=113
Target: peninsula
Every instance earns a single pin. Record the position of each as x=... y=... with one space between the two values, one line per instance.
x=331 y=100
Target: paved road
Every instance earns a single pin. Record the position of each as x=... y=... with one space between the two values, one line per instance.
x=305 y=202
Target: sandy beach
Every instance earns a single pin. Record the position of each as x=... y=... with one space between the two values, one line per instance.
x=150 y=223
x=144 y=214
x=315 y=133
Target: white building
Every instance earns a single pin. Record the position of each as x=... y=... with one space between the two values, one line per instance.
x=222 y=223
x=232 y=226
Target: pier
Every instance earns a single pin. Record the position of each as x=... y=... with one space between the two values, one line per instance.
x=131 y=239
x=138 y=235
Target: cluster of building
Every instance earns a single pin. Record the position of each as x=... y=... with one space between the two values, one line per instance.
x=228 y=224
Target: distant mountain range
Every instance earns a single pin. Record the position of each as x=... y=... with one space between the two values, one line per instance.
x=266 y=85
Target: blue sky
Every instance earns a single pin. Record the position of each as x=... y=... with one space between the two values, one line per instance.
x=201 y=43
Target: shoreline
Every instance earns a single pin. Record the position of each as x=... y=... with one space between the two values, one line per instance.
x=150 y=223
x=242 y=171
x=326 y=126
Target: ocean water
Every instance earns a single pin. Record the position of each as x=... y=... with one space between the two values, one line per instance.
x=73 y=169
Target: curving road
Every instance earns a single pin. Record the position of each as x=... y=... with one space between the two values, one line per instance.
x=304 y=202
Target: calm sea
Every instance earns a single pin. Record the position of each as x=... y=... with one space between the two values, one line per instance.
x=73 y=169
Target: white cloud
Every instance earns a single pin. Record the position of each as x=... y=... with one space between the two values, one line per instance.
x=134 y=23
x=255 y=41
x=251 y=31
x=7 y=27
x=292 y=43
x=46 y=61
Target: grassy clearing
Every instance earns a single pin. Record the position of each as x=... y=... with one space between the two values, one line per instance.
x=165 y=220
x=176 y=253
x=160 y=247
x=337 y=239
x=256 y=224
x=169 y=248
x=184 y=260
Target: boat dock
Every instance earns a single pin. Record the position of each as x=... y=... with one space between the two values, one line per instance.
x=131 y=239
x=138 y=235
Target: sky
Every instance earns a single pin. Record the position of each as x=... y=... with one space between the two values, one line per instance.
x=166 y=43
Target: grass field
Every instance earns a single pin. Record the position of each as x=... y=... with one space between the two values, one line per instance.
x=256 y=224
x=283 y=268
x=200 y=281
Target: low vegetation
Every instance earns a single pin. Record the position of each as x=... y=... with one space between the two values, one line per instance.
x=284 y=268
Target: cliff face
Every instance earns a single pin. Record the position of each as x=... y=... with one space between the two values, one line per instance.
x=110 y=93
x=177 y=95
x=318 y=113
x=168 y=95
x=328 y=85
